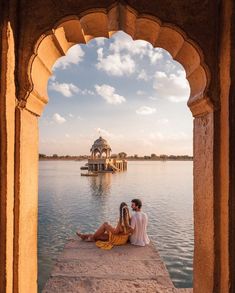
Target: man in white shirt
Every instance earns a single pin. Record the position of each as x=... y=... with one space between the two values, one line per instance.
x=139 y=221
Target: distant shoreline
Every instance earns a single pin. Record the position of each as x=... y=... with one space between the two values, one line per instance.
x=128 y=159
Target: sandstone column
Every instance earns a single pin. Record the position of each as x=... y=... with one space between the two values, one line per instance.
x=204 y=250
x=7 y=141
x=26 y=201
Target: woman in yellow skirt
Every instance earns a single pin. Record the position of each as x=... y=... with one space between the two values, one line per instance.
x=107 y=236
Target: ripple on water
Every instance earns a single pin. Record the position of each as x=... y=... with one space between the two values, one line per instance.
x=68 y=201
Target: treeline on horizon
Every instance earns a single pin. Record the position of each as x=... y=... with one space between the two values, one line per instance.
x=121 y=155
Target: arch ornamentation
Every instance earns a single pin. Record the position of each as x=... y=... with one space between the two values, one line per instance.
x=54 y=44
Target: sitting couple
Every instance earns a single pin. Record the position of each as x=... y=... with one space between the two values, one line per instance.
x=128 y=228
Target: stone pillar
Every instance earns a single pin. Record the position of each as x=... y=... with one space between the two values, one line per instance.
x=26 y=202
x=231 y=201
x=204 y=205
x=223 y=278
x=7 y=142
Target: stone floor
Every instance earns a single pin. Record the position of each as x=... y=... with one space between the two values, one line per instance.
x=82 y=267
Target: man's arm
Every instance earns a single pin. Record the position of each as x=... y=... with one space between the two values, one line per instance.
x=132 y=225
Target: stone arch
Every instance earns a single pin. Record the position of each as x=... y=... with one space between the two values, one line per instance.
x=104 y=153
x=53 y=44
x=96 y=153
x=104 y=23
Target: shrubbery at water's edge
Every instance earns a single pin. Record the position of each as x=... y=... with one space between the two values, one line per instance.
x=152 y=157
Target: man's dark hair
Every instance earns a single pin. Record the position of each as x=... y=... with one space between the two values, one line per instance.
x=137 y=202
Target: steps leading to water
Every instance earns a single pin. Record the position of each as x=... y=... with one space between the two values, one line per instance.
x=114 y=167
x=82 y=267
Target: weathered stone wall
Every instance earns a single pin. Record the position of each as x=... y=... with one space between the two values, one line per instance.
x=209 y=26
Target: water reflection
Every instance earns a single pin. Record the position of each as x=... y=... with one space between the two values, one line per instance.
x=101 y=184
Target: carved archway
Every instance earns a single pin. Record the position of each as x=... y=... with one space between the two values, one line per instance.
x=53 y=44
x=104 y=23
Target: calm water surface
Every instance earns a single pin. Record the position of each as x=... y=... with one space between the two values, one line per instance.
x=68 y=201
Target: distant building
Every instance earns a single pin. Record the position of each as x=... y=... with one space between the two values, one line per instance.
x=101 y=159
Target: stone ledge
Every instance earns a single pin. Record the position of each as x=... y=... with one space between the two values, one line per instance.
x=82 y=267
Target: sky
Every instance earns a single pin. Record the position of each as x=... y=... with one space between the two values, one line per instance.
x=133 y=95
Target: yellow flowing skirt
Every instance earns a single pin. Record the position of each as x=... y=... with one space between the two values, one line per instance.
x=119 y=239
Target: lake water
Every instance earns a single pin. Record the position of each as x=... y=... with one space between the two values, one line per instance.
x=68 y=201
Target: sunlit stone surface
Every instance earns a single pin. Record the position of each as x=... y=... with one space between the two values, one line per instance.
x=82 y=267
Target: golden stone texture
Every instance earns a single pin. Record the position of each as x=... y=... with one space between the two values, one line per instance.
x=200 y=34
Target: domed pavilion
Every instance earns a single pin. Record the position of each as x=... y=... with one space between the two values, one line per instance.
x=101 y=160
x=99 y=148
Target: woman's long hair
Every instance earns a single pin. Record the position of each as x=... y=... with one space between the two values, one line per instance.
x=125 y=218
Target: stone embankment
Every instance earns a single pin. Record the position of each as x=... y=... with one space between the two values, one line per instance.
x=84 y=268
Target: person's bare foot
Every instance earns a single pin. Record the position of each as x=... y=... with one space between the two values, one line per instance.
x=89 y=239
x=80 y=235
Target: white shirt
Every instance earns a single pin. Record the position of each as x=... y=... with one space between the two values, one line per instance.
x=139 y=221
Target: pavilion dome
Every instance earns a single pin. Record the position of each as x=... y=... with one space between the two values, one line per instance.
x=100 y=145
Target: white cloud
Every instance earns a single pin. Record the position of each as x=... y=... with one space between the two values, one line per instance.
x=173 y=87
x=124 y=43
x=71 y=115
x=58 y=118
x=160 y=74
x=87 y=92
x=67 y=135
x=143 y=75
x=179 y=136
x=69 y=89
x=163 y=121
x=103 y=132
x=140 y=93
x=145 y=110
x=118 y=59
x=74 y=56
x=155 y=54
x=107 y=134
x=176 y=99
x=107 y=92
x=100 y=41
x=156 y=136
x=115 y=64
x=170 y=65
x=66 y=89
